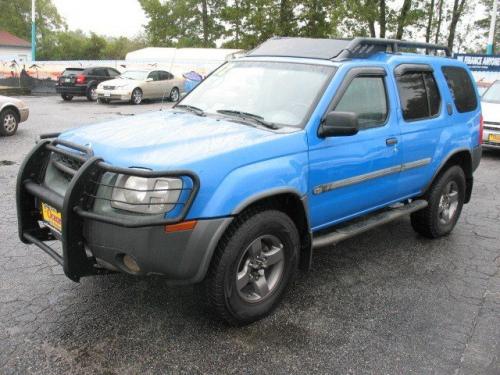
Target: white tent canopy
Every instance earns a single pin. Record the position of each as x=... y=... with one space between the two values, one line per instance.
x=202 y=60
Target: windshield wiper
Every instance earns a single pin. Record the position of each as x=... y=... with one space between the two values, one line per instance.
x=191 y=108
x=246 y=115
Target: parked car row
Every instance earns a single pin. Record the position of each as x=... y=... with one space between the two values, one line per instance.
x=106 y=84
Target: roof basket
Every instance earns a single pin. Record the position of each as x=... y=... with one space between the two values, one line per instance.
x=364 y=47
x=338 y=49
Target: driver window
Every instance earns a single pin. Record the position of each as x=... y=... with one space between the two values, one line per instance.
x=366 y=96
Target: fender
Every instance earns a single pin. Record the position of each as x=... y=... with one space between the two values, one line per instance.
x=468 y=174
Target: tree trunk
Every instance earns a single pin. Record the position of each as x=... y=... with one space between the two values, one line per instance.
x=428 y=30
x=405 y=9
x=204 y=21
x=285 y=18
x=440 y=20
x=381 y=18
x=458 y=8
x=371 y=27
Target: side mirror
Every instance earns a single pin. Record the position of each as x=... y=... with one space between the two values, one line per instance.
x=337 y=124
x=149 y=79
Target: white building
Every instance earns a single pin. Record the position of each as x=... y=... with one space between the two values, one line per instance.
x=14 y=48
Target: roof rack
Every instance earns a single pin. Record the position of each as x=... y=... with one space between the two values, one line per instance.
x=337 y=49
x=363 y=47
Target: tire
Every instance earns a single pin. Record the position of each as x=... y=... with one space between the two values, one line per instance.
x=446 y=199
x=66 y=97
x=137 y=96
x=9 y=121
x=174 y=95
x=91 y=93
x=252 y=266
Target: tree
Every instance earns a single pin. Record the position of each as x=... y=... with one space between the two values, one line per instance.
x=403 y=18
x=183 y=23
x=458 y=7
x=382 y=18
x=430 y=16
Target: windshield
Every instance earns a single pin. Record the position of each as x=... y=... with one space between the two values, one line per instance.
x=492 y=95
x=139 y=75
x=277 y=92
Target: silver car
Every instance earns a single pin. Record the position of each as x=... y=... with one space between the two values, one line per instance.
x=12 y=112
x=136 y=85
x=490 y=105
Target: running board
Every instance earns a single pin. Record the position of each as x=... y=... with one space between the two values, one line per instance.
x=365 y=223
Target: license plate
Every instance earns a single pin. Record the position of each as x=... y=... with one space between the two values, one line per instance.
x=107 y=93
x=494 y=138
x=67 y=80
x=52 y=217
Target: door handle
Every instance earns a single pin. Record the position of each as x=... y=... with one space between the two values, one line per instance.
x=391 y=141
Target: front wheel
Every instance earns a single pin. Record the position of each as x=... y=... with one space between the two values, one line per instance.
x=446 y=199
x=252 y=266
x=66 y=97
x=9 y=122
x=136 y=96
x=174 y=95
x=92 y=94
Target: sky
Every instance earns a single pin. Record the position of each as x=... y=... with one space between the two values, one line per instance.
x=106 y=17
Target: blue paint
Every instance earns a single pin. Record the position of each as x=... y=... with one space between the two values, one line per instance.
x=237 y=162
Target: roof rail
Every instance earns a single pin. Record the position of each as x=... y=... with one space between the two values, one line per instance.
x=364 y=47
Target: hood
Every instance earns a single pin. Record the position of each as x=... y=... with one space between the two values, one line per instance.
x=168 y=140
x=490 y=111
x=8 y=100
x=119 y=82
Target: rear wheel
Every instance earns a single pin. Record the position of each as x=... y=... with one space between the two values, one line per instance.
x=92 y=93
x=66 y=97
x=446 y=199
x=252 y=266
x=9 y=120
x=136 y=96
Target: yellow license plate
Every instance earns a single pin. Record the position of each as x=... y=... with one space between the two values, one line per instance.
x=494 y=138
x=52 y=217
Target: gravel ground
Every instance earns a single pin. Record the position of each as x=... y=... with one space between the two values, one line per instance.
x=387 y=302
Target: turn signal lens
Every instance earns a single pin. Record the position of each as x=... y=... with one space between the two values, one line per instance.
x=179 y=227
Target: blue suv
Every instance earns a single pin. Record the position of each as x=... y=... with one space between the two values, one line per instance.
x=299 y=144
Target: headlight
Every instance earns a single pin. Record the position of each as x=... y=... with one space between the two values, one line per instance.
x=146 y=195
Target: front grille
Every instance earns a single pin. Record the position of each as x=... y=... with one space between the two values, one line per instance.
x=492 y=125
x=108 y=87
x=66 y=166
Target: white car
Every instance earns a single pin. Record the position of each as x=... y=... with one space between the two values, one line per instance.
x=490 y=104
x=137 y=85
x=12 y=112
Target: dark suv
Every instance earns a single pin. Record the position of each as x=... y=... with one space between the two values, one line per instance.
x=83 y=82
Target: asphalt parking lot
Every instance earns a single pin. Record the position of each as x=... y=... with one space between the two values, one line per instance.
x=388 y=302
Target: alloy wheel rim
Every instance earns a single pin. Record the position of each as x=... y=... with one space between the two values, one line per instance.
x=260 y=268
x=137 y=96
x=9 y=122
x=175 y=95
x=448 y=203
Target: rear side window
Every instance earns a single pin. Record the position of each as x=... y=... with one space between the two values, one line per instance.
x=419 y=95
x=100 y=72
x=366 y=97
x=461 y=88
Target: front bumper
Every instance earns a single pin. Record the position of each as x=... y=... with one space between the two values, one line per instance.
x=93 y=242
x=23 y=114
x=121 y=95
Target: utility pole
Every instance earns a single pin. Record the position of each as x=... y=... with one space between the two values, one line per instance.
x=33 y=31
x=491 y=36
